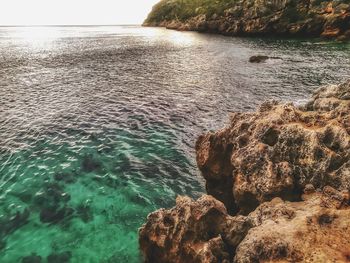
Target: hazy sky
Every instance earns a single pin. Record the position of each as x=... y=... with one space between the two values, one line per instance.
x=73 y=12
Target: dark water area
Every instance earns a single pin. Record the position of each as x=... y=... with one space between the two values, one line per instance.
x=98 y=126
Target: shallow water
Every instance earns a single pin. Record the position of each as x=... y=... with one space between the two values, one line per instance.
x=98 y=125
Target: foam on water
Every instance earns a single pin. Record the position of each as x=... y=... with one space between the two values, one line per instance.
x=98 y=125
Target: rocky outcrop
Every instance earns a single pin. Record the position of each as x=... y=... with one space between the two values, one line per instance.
x=313 y=230
x=262 y=58
x=264 y=174
x=279 y=149
x=192 y=231
x=258 y=59
x=309 y=18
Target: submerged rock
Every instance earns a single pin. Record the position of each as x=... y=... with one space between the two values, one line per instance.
x=52 y=201
x=55 y=215
x=258 y=59
x=90 y=164
x=267 y=169
x=2 y=244
x=33 y=258
x=84 y=212
x=51 y=195
x=12 y=222
x=66 y=177
x=262 y=58
x=63 y=257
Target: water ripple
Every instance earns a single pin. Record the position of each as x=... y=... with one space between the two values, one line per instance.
x=98 y=125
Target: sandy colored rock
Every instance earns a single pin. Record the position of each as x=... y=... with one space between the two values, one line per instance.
x=278 y=150
x=313 y=230
x=267 y=168
x=192 y=231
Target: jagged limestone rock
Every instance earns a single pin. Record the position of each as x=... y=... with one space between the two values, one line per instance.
x=313 y=230
x=279 y=149
x=267 y=168
x=192 y=231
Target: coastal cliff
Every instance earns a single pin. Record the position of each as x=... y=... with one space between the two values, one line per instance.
x=278 y=181
x=301 y=18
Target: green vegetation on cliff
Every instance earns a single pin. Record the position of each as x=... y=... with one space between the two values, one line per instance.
x=182 y=10
x=309 y=18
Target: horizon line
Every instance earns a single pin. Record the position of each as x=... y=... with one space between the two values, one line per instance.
x=72 y=25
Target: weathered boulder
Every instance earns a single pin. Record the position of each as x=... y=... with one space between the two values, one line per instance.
x=279 y=149
x=258 y=59
x=192 y=231
x=313 y=230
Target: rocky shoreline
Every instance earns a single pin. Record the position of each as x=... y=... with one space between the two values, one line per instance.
x=278 y=183
x=300 y=18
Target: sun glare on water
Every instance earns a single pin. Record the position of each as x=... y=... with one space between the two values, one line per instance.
x=38 y=33
x=182 y=38
x=36 y=36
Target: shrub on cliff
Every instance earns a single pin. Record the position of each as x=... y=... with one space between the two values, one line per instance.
x=167 y=10
x=315 y=18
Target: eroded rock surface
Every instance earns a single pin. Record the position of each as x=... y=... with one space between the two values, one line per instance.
x=313 y=230
x=192 y=231
x=267 y=168
x=279 y=149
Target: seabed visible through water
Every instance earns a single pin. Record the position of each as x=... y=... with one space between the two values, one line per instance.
x=98 y=126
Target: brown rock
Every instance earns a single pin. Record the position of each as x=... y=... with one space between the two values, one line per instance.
x=269 y=166
x=192 y=231
x=258 y=59
x=278 y=150
x=315 y=230
x=331 y=32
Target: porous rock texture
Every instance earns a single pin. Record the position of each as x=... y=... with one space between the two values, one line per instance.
x=313 y=230
x=279 y=149
x=309 y=18
x=192 y=231
x=278 y=182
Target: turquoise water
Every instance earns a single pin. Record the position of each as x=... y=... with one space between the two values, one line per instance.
x=89 y=192
x=98 y=125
